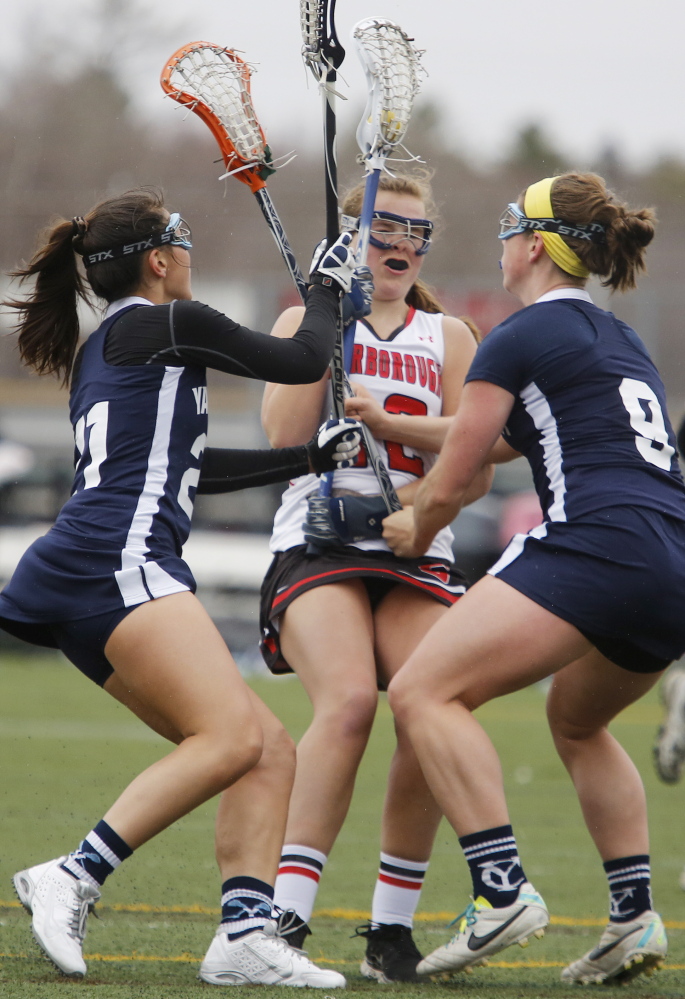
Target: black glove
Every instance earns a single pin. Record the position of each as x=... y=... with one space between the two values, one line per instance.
x=338 y=520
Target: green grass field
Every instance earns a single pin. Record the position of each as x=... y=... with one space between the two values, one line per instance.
x=66 y=750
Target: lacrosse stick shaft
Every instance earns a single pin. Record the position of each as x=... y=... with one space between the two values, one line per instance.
x=274 y=223
x=343 y=390
x=332 y=232
x=366 y=217
x=330 y=155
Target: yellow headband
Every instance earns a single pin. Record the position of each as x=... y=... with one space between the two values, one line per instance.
x=537 y=204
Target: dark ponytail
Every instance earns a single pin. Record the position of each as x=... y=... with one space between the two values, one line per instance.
x=48 y=324
x=48 y=320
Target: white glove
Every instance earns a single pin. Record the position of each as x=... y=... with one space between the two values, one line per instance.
x=335 y=263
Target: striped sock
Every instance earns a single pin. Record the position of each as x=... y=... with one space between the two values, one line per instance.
x=397 y=891
x=246 y=905
x=299 y=873
x=97 y=855
x=629 y=887
x=494 y=863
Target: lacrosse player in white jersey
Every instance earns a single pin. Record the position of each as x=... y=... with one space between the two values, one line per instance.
x=407 y=364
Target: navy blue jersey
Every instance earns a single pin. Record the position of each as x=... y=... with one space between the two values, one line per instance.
x=589 y=411
x=139 y=412
x=139 y=433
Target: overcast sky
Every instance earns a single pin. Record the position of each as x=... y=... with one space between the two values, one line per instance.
x=593 y=73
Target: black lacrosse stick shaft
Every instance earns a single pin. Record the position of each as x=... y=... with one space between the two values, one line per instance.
x=332 y=55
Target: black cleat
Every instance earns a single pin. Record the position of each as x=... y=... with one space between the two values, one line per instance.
x=292 y=929
x=391 y=954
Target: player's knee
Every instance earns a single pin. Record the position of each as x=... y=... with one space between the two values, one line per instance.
x=233 y=754
x=278 y=754
x=351 y=715
x=566 y=730
x=402 y=698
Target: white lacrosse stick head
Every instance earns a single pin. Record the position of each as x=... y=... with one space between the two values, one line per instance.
x=312 y=16
x=392 y=68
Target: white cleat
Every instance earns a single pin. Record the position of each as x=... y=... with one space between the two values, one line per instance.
x=263 y=958
x=625 y=950
x=59 y=905
x=669 y=748
x=681 y=879
x=484 y=930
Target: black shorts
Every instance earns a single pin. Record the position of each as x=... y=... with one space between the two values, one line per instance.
x=618 y=577
x=293 y=572
x=82 y=642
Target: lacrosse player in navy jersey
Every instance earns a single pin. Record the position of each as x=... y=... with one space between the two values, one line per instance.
x=108 y=585
x=343 y=618
x=593 y=595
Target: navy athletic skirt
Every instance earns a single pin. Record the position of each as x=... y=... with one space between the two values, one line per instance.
x=64 y=594
x=293 y=572
x=619 y=578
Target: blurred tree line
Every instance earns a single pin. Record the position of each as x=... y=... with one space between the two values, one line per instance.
x=68 y=142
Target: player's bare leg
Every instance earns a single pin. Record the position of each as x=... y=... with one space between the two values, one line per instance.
x=250 y=824
x=585 y=696
x=251 y=817
x=173 y=669
x=410 y=814
x=328 y=633
x=252 y=811
x=169 y=654
x=583 y=699
x=493 y=641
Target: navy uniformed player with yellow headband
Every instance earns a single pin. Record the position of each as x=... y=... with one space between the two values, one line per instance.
x=592 y=595
x=108 y=584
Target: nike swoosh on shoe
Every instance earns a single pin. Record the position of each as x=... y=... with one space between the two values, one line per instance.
x=601 y=951
x=475 y=943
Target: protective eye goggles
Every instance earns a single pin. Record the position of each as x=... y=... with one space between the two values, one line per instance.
x=515 y=221
x=177 y=233
x=180 y=230
x=388 y=230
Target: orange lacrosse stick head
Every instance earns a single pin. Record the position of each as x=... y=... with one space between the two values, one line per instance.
x=214 y=83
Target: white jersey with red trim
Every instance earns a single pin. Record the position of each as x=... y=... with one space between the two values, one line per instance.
x=404 y=374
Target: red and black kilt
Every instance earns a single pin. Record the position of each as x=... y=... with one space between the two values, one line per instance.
x=293 y=572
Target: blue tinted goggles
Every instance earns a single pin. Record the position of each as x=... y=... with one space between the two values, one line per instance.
x=389 y=230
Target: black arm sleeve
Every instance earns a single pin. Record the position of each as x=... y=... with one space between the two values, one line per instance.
x=194 y=334
x=225 y=470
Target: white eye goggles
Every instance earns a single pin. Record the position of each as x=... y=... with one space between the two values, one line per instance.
x=177 y=233
x=515 y=221
x=182 y=236
x=388 y=230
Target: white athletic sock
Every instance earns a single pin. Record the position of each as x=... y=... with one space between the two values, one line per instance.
x=298 y=878
x=397 y=891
